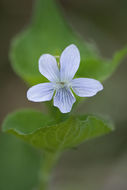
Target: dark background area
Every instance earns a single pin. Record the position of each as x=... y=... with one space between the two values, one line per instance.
x=101 y=163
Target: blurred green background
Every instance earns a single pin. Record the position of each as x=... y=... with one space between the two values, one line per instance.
x=98 y=164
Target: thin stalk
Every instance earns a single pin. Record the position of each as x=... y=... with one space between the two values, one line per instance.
x=48 y=162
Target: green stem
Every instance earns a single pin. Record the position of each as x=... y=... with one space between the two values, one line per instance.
x=48 y=162
x=55 y=113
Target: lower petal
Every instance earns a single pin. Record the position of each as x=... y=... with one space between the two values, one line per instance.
x=40 y=92
x=85 y=87
x=64 y=99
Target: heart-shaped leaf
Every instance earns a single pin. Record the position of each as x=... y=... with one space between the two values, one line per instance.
x=42 y=132
x=48 y=33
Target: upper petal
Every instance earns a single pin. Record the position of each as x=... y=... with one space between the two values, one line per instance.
x=64 y=99
x=85 y=87
x=69 y=62
x=40 y=92
x=49 y=68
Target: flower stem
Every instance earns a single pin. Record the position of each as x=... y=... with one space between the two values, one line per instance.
x=55 y=113
x=48 y=162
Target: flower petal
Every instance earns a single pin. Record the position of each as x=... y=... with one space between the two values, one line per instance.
x=64 y=99
x=85 y=87
x=49 y=68
x=40 y=92
x=69 y=62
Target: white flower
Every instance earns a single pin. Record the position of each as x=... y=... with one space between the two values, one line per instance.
x=61 y=80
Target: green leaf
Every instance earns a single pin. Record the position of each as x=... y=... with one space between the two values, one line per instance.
x=42 y=132
x=19 y=164
x=49 y=33
x=101 y=69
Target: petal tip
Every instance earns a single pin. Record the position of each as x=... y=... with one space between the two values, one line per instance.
x=64 y=100
x=101 y=87
x=48 y=67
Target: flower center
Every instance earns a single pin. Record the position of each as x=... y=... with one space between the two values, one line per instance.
x=59 y=85
x=62 y=83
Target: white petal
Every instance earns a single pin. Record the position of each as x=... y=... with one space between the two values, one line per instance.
x=49 y=68
x=85 y=87
x=69 y=62
x=64 y=99
x=40 y=92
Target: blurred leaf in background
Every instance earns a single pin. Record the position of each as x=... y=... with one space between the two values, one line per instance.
x=48 y=33
x=19 y=164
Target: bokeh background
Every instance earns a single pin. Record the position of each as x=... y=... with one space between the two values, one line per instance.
x=98 y=164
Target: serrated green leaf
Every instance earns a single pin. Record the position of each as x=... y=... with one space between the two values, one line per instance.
x=42 y=132
x=48 y=33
